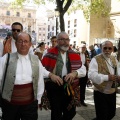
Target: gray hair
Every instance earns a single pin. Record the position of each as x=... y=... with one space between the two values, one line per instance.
x=61 y=33
x=24 y=33
x=107 y=41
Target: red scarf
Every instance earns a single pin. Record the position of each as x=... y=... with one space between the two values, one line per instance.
x=49 y=60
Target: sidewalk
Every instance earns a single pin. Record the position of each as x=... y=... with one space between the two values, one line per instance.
x=83 y=113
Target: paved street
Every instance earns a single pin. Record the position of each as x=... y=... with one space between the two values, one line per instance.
x=83 y=113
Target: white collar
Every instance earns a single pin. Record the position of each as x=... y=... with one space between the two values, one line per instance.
x=23 y=56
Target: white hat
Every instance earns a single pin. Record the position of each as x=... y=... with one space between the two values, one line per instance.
x=83 y=45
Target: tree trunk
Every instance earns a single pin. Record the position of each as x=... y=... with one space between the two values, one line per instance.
x=62 y=22
x=62 y=10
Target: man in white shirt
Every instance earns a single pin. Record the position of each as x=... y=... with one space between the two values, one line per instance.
x=24 y=84
x=83 y=81
x=9 y=46
x=66 y=63
x=103 y=73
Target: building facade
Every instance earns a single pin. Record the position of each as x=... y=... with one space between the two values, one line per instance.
x=26 y=16
x=106 y=28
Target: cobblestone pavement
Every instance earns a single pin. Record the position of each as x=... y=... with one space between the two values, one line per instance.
x=83 y=113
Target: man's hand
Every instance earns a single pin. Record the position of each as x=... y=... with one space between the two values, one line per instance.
x=56 y=79
x=70 y=77
x=112 y=77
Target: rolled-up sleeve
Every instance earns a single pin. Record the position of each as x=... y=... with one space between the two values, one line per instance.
x=43 y=73
x=2 y=66
x=81 y=71
x=93 y=73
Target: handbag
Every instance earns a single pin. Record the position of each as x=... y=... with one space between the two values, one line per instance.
x=4 y=79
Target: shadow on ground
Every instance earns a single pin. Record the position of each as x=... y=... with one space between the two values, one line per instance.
x=89 y=114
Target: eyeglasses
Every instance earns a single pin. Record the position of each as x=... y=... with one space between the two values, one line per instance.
x=18 y=30
x=107 y=48
x=64 y=39
x=25 y=42
x=54 y=41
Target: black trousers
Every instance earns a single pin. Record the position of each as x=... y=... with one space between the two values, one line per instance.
x=105 y=105
x=83 y=83
x=20 y=112
x=59 y=103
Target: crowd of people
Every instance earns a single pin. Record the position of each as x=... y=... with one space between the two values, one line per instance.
x=59 y=73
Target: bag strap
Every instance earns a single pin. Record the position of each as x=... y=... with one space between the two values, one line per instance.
x=5 y=71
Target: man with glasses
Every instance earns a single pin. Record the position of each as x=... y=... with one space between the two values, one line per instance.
x=24 y=84
x=64 y=62
x=103 y=73
x=10 y=47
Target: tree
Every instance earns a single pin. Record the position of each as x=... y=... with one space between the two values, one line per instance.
x=98 y=7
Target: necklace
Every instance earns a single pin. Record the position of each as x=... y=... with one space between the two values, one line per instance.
x=114 y=67
x=109 y=63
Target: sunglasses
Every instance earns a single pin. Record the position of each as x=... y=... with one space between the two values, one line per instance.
x=107 y=48
x=18 y=30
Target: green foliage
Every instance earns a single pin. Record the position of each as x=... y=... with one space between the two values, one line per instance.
x=17 y=3
x=97 y=7
x=38 y=2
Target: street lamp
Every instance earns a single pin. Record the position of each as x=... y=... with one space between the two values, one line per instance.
x=56 y=15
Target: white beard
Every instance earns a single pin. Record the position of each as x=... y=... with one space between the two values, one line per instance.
x=64 y=48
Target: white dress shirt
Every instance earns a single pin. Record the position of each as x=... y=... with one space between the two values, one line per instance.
x=24 y=73
x=1 y=49
x=82 y=55
x=81 y=71
x=96 y=77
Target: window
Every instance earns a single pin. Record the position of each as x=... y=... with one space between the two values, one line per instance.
x=8 y=13
x=52 y=28
x=29 y=15
x=48 y=35
x=75 y=22
x=75 y=33
x=69 y=24
x=48 y=27
x=68 y=32
x=17 y=14
x=39 y=29
x=29 y=28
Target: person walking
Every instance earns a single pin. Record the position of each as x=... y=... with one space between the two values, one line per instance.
x=103 y=73
x=9 y=46
x=24 y=84
x=64 y=62
x=53 y=44
x=92 y=51
x=40 y=50
x=83 y=81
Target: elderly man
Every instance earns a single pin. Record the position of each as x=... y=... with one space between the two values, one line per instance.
x=24 y=85
x=64 y=62
x=102 y=72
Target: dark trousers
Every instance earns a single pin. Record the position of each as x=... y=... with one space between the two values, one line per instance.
x=20 y=112
x=105 y=105
x=83 y=83
x=59 y=103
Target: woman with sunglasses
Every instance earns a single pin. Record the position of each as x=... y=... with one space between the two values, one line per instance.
x=104 y=74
